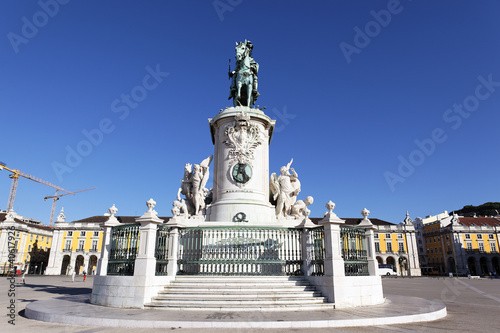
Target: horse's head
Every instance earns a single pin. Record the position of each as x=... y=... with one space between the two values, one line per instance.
x=241 y=51
x=187 y=169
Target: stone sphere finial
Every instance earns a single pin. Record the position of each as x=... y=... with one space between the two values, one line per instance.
x=151 y=204
x=113 y=210
x=365 y=212
x=330 y=206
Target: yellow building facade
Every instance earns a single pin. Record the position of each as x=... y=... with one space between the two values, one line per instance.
x=396 y=245
x=24 y=244
x=76 y=246
x=463 y=245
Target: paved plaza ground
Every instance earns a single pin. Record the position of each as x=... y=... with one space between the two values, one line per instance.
x=473 y=305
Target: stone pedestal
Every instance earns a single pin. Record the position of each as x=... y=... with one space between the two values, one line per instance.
x=241 y=136
x=102 y=263
x=334 y=264
x=145 y=262
x=370 y=244
x=53 y=267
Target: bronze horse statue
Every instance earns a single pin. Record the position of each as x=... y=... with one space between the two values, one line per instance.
x=244 y=83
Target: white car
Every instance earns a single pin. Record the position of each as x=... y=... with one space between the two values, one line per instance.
x=386 y=271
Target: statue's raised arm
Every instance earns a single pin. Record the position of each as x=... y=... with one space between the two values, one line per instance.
x=243 y=89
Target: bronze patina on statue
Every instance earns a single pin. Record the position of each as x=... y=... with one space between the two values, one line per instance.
x=243 y=88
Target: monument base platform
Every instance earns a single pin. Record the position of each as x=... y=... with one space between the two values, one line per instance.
x=77 y=310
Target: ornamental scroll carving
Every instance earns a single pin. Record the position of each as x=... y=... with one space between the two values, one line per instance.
x=242 y=137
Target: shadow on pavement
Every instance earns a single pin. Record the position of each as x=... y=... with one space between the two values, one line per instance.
x=59 y=290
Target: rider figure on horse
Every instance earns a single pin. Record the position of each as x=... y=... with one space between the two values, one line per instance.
x=242 y=70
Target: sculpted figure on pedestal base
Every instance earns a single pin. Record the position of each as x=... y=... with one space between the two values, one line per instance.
x=285 y=189
x=193 y=188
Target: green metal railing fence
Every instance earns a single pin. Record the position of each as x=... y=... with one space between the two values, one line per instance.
x=317 y=237
x=353 y=243
x=162 y=248
x=124 y=246
x=240 y=251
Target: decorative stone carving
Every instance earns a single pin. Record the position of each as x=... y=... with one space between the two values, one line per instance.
x=285 y=189
x=330 y=214
x=61 y=217
x=300 y=209
x=112 y=220
x=113 y=210
x=150 y=215
x=365 y=222
x=408 y=220
x=243 y=89
x=10 y=216
x=193 y=188
x=180 y=208
x=151 y=204
x=242 y=137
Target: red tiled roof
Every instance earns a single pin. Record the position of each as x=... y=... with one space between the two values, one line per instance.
x=354 y=221
x=39 y=226
x=479 y=221
x=121 y=219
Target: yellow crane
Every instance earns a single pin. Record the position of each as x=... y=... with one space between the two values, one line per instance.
x=15 y=179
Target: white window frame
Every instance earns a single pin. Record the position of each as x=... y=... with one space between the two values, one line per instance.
x=388 y=247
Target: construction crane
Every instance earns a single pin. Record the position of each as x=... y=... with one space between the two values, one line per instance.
x=15 y=179
x=56 y=197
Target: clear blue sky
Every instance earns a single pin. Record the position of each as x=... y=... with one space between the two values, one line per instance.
x=350 y=106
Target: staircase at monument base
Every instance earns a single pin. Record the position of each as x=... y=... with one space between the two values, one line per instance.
x=240 y=293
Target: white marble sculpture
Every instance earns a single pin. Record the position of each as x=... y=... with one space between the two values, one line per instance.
x=151 y=204
x=180 y=208
x=193 y=188
x=285 y=189
x=300 y=209
x=113 y=210
x=330 y=205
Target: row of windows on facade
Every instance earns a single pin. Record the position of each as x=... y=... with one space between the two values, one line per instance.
x=82 y=233
x=29 y=247
x=18 y=234
x=81 y=245
x=493 y=248
x=388 y=247
x=467 y=236
x=389 y=236
x=41 y=248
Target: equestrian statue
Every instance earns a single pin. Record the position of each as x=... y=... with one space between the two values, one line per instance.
x=243 y=88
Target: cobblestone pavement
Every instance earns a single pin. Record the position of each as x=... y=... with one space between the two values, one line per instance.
x=473 y=305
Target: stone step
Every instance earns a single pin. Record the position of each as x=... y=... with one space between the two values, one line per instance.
x=243 y=308
x=248 y=302
x=236 y=284
x=226 y=296
x=240 y=293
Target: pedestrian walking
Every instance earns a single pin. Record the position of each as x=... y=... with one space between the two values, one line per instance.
x=84 y=275
x=23 y=278
x=73 y=276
